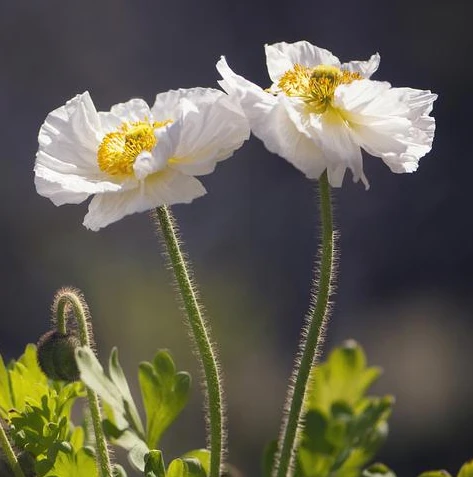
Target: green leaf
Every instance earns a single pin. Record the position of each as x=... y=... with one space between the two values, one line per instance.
x=6 y=402
x=435 y=473
x=92 y=374
x=378 y=470
x=344 y=427
x=80 y=464
x=344 y=377
x=466 y=470
x=154 y=464
x=185 y=468
x=118 y=377
x=123 y=424
x=137 y=454
x=202 y=455
x=164 y=392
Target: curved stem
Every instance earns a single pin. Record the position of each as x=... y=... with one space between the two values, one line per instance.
x=64 y=300
x=311 y=341
x=9 y=453
x=201 y=336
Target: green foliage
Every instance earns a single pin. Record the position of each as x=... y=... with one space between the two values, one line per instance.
x=38 y=416
x=193 y=464
x=164 y=391
x=154 y=464
x=465 y=471
x=344 y=427
x=378 y=470
x=74 y=460
x=202 y=455
x=185 y=468
x=165 y=394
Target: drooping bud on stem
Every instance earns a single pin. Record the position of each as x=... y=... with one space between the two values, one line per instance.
x=56 y=355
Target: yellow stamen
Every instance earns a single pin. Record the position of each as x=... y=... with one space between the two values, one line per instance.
x=119 y=149
x=316 y=86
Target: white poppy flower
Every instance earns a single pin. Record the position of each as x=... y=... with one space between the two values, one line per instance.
x=134 y=158
x=319 y=113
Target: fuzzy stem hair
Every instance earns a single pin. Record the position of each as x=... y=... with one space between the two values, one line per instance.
x=9 y=452
x=312 y=336
x=71 y=299
x=200 y=335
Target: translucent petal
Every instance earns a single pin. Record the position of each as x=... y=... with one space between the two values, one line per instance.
x=281 y=57
x=365 y=68
x=69 y=137
x=163 y=188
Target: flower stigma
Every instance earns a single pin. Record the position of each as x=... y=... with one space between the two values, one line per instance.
x=119 y=149
x=315 y=86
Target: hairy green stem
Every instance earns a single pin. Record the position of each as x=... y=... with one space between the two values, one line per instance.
x=201 y=336
x=9 y=453
x=312 y=337
x=72 y=299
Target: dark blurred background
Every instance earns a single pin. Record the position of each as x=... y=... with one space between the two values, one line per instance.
x=406 y=278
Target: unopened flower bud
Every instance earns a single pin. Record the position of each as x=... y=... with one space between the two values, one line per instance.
x=56 y=356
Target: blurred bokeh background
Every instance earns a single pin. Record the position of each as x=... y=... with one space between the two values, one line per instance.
x=405 y=286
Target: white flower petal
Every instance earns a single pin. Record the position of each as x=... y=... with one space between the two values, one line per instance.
x=67 y=154
x=72 y=184
x=57 y=193
x=167 y=138
x=164 y=188
x=368 y=98
x=211 y=131
x=168 y=105
x=339 y=148
x=68 y=138
x=284 y=138
x=255 y=102
x=365 y=68
x=135 y=109
x=281 y=57
x=391 y=123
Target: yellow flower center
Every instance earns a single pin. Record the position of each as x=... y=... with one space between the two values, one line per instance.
x=119 y=149
x=316 y=86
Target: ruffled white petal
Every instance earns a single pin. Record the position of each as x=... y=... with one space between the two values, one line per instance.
x=133 y=110
x=167 y=138
x=270 y=121
x=281 y=57
x=75 y=187
x=168 y=105
x=331 y=144
x=212 y=129
x=57 y=193
x=339 y=148
x=365 y=68
x=255 y=102
x=69 y=137
x=391 y=123
x=163 y=188
x=67 y=154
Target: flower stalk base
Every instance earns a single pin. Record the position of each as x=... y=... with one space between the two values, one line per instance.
x=311 y=341
x=200 y=335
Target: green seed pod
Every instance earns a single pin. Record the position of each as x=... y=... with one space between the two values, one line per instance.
x=56 y=356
